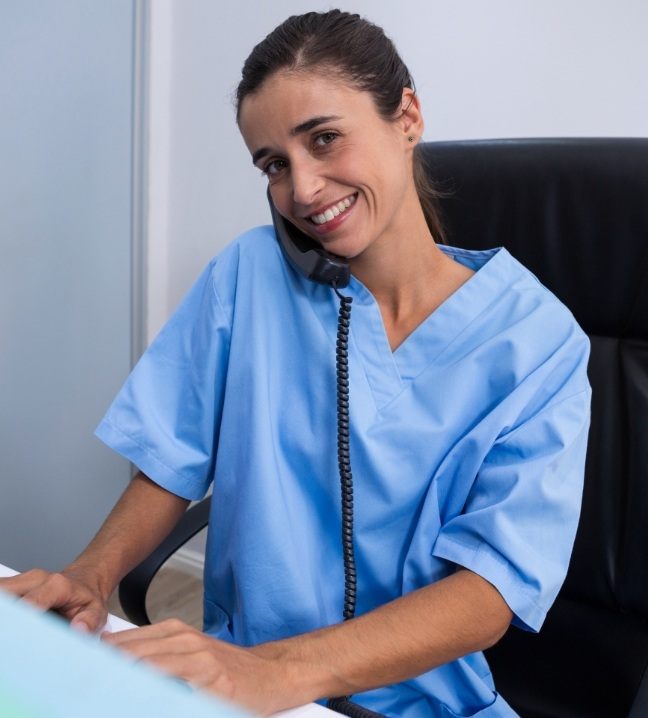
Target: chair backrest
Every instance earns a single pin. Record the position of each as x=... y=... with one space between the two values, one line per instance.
x=575 y=212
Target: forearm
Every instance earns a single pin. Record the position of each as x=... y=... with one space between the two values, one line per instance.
x=404 y=638
x=141 y=519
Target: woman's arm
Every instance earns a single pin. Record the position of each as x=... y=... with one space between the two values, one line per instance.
x=141 y=519
x=404 y=638
x=458 y=615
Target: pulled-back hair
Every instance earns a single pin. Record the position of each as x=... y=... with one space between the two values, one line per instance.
x=360 y=53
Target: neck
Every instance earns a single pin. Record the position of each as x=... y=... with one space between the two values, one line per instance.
x=401 y=267
x=408 y=275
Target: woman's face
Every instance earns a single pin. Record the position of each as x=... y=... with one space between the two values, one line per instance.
x=336 y=168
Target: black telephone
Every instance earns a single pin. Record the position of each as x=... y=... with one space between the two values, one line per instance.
x=315 y=263
x=306 y=256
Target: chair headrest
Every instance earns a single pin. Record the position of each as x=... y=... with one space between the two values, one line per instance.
x=574 y=211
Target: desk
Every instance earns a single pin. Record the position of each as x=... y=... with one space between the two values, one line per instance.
x=115 y=623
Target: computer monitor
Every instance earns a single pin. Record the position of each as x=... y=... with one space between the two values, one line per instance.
x=49 y=670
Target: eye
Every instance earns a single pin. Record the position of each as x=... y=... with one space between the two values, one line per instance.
x=274 y=167
x=325 y=138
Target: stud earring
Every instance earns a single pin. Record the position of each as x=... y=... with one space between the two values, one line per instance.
x=410 y=138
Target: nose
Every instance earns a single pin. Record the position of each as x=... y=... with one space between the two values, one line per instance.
x=306 y=182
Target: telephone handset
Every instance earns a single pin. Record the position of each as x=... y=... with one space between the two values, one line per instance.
x=318 y=265
x=306 y=256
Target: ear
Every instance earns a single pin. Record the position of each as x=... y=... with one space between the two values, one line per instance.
x=411 y=120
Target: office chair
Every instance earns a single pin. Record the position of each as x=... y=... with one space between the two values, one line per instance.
x=575 y=212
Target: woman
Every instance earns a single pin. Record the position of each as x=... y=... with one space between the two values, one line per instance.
x=468 y=418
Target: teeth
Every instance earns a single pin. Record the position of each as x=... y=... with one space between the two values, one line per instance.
x=333 y=211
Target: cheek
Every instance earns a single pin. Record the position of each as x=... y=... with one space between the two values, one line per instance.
x=382 y=165
x=280 y=198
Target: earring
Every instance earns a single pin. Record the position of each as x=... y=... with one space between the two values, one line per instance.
x=410 y=138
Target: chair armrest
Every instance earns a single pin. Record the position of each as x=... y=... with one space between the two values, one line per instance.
x=133 y=587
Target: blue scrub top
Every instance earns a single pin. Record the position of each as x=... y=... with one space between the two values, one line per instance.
x=467 y=446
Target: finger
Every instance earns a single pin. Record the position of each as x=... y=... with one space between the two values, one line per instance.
x=188 y=666
x=164 y=629
x=177 y=644
x=90 y=619
x=199 y=669
x=22 y=583
x=53 y=592
x=69 y=600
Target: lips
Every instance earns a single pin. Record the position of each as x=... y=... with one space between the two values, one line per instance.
x=332 y=211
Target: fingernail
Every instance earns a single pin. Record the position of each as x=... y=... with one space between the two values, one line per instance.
x=80 y=626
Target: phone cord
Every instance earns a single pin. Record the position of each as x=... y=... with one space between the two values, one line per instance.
x=342 y=704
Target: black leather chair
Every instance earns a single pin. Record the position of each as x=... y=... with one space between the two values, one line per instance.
x=575 y=211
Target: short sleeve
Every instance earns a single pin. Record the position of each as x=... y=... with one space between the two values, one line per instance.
x=519 y=522
x=165 y=418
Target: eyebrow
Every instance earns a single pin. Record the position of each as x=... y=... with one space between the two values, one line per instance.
x=306 y=126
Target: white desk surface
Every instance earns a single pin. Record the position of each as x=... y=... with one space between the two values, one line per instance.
x=114 y=623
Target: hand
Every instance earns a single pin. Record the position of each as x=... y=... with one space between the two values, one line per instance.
x=70 y=593
x=238 y=674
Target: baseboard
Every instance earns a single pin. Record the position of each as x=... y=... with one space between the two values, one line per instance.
x=188 y=561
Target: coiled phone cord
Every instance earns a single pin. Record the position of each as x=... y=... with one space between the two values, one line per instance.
x=342 y=704
x=344 y=454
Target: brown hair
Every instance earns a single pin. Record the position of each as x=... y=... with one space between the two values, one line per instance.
x=362 y=53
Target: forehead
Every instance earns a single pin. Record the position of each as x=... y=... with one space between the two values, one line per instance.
x=287 y=99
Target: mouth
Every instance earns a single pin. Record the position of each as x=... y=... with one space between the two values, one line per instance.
x=333 y=211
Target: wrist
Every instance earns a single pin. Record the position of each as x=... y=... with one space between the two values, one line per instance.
x=308 y=675
x=90 y=577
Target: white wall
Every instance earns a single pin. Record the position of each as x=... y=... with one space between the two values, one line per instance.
x=504 y=68
x=66 y=99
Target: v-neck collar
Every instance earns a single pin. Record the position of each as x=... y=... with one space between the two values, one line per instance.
x=452 y=316
x=388 y=373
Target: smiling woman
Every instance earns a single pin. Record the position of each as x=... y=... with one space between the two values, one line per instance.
x=327 y=145
x=344 y=175
x=340 y=45
x=466 y=424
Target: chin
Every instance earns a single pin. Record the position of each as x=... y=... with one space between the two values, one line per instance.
x=341 y=248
